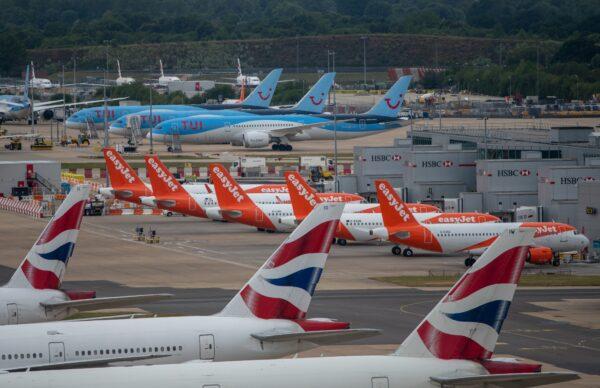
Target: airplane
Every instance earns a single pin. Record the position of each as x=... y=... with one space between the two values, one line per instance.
x=170 y=195
x=356 y=223
x=122 y=80
x=265 y=319
x=313 y=102
x=402 y=228
x=40 y=83
x=245 y=80
x=34 y=293
x=127 y=186
x=259 y=98
x=453 y=346
x=259 y=132
x=164 y=80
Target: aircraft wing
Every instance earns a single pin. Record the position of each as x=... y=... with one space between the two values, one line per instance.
x=321 y=337
x=57 y=106
x=103 y=303
x=85 y=363
x=45 y=103
x=507 y=380
x=294 y=130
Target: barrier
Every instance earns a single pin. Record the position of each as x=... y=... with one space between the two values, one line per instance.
x=30 y=208
x=134 y=212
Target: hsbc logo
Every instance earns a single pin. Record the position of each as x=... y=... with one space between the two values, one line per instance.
x=386 y=158
x=120 y=167
x=572 y=180
x=436 y=163
x=228 y=185
x=162 y=175
x=391 y=198
x=302 y=190
x=515 y=172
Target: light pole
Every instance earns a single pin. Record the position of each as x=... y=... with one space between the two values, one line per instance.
x=151 y=124
x=335 y=147
x=485 y=137
x=64 y=103
x=364 y=39
x=106 y=104
x=297 y=55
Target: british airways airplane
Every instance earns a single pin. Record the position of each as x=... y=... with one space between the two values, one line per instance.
x=260 y=98
x=313 y=102
x=280 y=130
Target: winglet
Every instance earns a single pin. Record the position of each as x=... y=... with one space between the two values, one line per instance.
x=316 y=99
x=303 y=197
x=283 y=287
x=46 y=262
x=162 y=181
x=466 y=323
x=393 y=209
x=391 y=103
x=230 y=194
x=263 y=94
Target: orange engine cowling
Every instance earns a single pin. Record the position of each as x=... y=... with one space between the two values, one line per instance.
x=540 y=255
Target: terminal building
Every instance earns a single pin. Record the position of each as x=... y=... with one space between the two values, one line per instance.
x=503 y=170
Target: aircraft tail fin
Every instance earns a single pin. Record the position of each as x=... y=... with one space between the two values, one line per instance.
x=46 y=262
x=315 y=100
x=394 y=211
x=230 y=194
x=119 y=68
x=26 y=88
x=391 y=103
x=239 y=67
x=466 y=323
x=162 y=71
x=262 y=95
x=303 y=197
x=32 y=71
x=120 y=173
x=283 y=287
x=161 y=179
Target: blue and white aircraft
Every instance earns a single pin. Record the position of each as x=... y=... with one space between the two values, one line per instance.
x=259 y=98
x=313 y=102
x=258 y=131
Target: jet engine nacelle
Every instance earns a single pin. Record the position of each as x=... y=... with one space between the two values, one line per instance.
x=256 y=139
x=540 y=255
x=48 y=114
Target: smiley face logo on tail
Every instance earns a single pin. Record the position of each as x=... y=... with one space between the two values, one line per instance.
x=316 y=102
x=263 y=97
x=388 y=101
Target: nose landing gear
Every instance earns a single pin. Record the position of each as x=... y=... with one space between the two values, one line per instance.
x=469 y=261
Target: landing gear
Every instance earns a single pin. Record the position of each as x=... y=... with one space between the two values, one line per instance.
x=260 y=229
x=341 y=242
x=396 y=250
x=270 y=231
x=556 y=262
x=333 y=241
x=407 y=252
x=469 y=261
x=281 y=147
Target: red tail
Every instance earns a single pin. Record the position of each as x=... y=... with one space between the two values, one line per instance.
x=230 y=194
x=303 y=197
x=120 y=173
x=162 y=181
x=393 y=210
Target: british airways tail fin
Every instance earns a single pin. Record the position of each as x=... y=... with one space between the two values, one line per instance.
x=316 y=99
x=391 y=103
x=46 y=262
x=283 y=287
x=262 y=95
x=466 y=323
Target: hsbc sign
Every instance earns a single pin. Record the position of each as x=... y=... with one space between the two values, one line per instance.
x=573 y=180
x=513 y=172
x=386 y=158
x=436 y=163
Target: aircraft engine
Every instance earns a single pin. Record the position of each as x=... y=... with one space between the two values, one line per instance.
x=540 y=255
x=256 y=139
x=48 y=114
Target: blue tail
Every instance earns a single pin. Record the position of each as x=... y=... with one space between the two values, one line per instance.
x=26 y=88
x=391 y=103
x=316 y=99
x=263 y=94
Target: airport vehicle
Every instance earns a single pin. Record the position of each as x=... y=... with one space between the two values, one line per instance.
x=265 y=319
x=356 y=224
x=171 y=196
x=120 y=79
x=280 y=130
x=164 y=80
x=34 y=294
x=402 y=228
x=126 y=185
x=309 y=104
x=259 y=98
x=452 y=347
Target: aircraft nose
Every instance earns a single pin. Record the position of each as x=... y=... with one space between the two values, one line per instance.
x=584 y=241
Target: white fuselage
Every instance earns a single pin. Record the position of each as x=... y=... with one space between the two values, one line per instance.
x=330 y=372
x=165 y=79
x=22 y=305
x=179 y=339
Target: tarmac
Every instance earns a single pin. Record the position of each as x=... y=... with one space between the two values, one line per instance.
x=203 y=263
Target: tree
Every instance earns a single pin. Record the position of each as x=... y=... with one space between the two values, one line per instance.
x=12 y=53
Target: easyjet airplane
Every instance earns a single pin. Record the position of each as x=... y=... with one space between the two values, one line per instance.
x=265 y=319
x=171 y=196
x=126 y=185
x=356 y=225
x=402 y=228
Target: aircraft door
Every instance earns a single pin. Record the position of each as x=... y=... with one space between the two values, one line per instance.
x=379 y=382
x=259 y=216
x=362 y=124
x=57 y=352
x=563 y=237
x=192 y=203
x=12 y=311
x=428 y=236
x=207 y=347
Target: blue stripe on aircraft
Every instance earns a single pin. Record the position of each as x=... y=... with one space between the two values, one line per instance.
x=61 y=253
x=491 y=314
x=306 y=279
